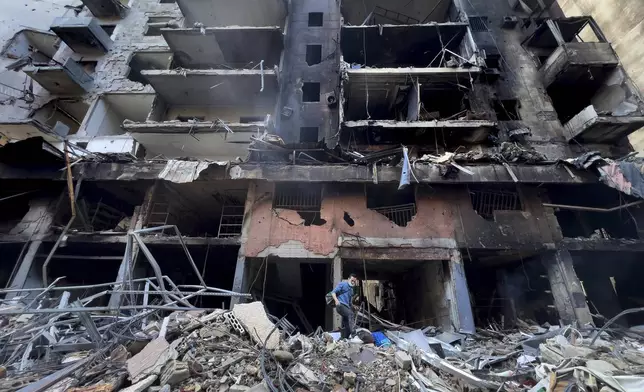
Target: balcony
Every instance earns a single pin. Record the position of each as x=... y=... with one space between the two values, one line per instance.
x=593 y=96
x=83 y=35
x=405 y=83
x=69 y=79
x=216 y=47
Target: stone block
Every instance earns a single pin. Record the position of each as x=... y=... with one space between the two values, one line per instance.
x=403 y=360
x=174 y=372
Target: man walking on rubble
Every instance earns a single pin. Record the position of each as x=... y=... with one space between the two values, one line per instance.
x=342 y=296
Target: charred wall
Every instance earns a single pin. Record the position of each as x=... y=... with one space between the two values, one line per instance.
x=282 y=231
x=306 y=88
x=440 y=213
x=424 y=295
x=537 y=225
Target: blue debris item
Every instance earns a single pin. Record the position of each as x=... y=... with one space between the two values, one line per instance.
x=405 y=178
x=380 y=339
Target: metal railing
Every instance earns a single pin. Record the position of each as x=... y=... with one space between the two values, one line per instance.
x=400 y=214
x=485 y=202
x=299 y=198
x=230 y=222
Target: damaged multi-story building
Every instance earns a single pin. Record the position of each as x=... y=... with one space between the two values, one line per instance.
x=467 y=159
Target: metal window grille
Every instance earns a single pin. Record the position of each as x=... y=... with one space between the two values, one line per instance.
x=300 y=198
x=478 y=23
x=230 y=223
x=400 y=215
x=486 y=201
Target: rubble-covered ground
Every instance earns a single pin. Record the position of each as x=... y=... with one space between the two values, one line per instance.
x=243 y=350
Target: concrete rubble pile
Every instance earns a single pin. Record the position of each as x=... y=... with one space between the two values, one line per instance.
x=246 y=349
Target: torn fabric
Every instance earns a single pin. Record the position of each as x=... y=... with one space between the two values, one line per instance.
x=626 y=177
x=405 y=176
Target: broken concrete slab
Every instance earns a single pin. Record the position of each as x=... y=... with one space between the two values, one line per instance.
x=141 y=385
x=261 y=387
x=174 y=372
x=283 y=356
x=150 y=360
x=253 y=317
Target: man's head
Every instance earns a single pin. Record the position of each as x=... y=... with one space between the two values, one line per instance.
x=353 y=279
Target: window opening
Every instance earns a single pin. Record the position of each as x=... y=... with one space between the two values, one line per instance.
x=305 y=199
x=399 y=206
x=308 y=134
x=316 y=19
x=311 y=92
x=313 y=54
x=489 y=199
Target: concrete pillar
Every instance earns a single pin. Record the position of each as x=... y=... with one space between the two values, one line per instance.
x=337 y=277
x=240 y=281
x=600 y=290
x=459 y=295
x=569 y=297
x=35 y=224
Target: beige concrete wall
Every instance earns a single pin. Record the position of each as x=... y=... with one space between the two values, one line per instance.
x=622 y=21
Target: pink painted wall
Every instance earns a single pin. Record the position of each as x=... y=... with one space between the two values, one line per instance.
x=275 y=228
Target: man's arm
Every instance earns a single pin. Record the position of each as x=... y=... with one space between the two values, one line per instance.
x=335 y=298
x=336 y=290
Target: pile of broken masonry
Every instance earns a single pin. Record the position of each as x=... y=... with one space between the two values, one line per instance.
x=243 y=350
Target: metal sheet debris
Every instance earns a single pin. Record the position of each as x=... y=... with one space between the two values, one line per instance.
x=240 y=350
x=180 y=171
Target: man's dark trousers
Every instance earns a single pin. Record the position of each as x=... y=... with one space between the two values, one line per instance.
x=347 y=320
